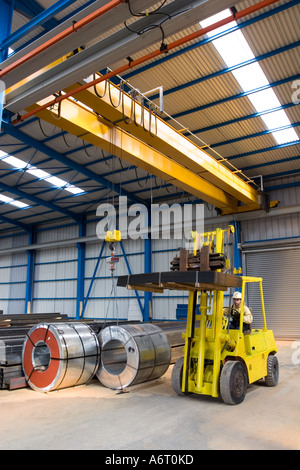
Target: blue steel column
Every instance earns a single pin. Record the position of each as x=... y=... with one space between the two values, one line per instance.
x=29 y=276
x=80 y=271
x=148 y=269
x=6 y=9
x=237 y=252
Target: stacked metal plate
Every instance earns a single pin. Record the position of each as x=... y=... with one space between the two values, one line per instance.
x=12 y=377
x=11 y=349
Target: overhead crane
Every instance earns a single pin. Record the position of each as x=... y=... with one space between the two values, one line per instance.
x=151 y=144
x=165 y=152
x=148 y=142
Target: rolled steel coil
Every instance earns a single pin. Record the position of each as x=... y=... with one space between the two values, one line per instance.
x=60 y=355
x=132 y=354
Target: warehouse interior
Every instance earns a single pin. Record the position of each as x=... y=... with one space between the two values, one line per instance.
x=111 y=113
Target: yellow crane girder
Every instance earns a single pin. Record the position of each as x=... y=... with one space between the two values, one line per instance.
x=72 y=117
x=164 y=138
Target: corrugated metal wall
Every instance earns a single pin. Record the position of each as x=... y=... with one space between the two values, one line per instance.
x=279 y=270
x=13 y=272
x=271 y=247
x=272 y=228
x=55 y=272
x=55 y=281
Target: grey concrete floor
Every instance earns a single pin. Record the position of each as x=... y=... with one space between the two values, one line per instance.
x=151 y=416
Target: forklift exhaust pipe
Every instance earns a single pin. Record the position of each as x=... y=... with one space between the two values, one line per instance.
x=132 y=354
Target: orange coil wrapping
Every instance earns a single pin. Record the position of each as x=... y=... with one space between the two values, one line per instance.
x=60 y=355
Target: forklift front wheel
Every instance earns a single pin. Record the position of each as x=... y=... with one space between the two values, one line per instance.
x=272 y=377
x=177 y=377
x=233 y=382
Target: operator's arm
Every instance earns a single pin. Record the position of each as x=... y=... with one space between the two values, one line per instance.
x=248 y=318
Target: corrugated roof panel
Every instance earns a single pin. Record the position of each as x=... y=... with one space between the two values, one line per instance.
x=273 y=32
x=18 y=21
x=202 y=94
x=248 y=145
x=240 y=129
x=266 y=157
x=193 y=64
x=217 y=114
x=289 y=93
x=283 y=65
x=66 y=11
x=272 y=169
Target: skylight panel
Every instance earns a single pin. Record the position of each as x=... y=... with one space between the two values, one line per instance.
x=273 y=119
x=15 y=162
x=37 y=173
x=264 y=100
x=251 y=77
x=285 y=136
x=56 y=181
x=234 y=50
x=9 y=200
x=74 y=189
x=40 y=174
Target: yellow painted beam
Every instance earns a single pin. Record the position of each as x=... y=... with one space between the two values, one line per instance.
x=166 y=140
x=79 y=121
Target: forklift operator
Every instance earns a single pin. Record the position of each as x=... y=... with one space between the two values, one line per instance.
x=233 y=313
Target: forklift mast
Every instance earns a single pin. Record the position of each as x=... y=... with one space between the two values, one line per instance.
x=202 y=351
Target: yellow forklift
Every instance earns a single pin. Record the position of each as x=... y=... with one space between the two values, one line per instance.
x=220 y=360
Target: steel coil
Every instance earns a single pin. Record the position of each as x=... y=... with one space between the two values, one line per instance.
x=60 y=355
x=132 y=354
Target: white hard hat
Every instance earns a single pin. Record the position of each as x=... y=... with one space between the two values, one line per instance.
x=237 y=295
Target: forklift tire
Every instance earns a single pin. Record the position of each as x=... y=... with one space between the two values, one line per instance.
x=177 y=377
x=272 y=376
x=233 y=382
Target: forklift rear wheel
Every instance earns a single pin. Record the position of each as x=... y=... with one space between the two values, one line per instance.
x=272 y=376
x=177 y=377
x=233 y=382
